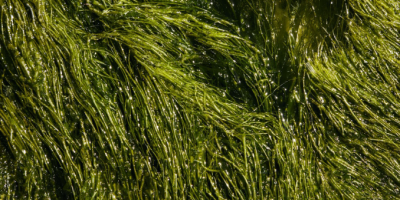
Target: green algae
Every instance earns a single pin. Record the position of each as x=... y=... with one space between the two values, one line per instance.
x=119 y=99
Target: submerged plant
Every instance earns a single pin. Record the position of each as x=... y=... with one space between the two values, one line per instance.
x=199 y=99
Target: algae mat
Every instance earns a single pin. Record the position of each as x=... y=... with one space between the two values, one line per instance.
x=199 y=99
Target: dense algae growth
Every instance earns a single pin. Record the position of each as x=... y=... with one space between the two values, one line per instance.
x=199 y=99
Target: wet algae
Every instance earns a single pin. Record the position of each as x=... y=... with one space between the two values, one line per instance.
x=199 y=99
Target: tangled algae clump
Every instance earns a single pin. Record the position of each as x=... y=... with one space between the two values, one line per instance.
x=199 y=99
